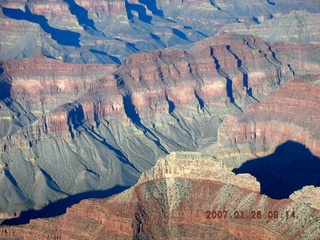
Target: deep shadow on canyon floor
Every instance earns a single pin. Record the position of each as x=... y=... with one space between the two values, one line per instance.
x=291 y=167
x=60 y=207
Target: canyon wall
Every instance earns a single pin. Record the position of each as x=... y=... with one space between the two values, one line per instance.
x=295 y=26
x=291 y=113
x=104 y=125
x=99 y=31
x=203 y=200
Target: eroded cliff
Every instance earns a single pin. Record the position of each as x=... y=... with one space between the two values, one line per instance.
x=104 y=125
x=186 y=195
x=109 y=31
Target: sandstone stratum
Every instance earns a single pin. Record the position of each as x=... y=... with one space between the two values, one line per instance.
x=225 y=93
x=111 y=123
x=108 y=31
x=291 y=113
x=101 y=126
x=179 y=199
x=295 y=26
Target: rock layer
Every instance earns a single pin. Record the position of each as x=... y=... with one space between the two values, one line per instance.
x=292 y=112
x=109 y=31
x=35 y=86
x=170 y=204
x=296 y=26
x=119 y=124
x=67 y=129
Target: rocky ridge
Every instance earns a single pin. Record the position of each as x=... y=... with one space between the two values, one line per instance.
x=295 y=26
x=191 y=165
x=100 y=31
x=107 y=130
x=290 y=113
x=73 y=131
x=169 y=204
x=35 y=86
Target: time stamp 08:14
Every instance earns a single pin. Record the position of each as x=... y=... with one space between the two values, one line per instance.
x=250 y=214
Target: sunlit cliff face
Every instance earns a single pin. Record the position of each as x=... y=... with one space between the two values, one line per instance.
x=182 y=188
x=93 y=93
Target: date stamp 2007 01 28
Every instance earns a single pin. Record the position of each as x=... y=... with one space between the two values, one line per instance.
x=250 y=214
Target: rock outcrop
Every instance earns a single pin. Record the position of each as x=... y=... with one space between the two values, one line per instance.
x=186 y=195
x=67 y=29
x=35 y=86
x=296 y=26
x=73 y=128
x=292 y=112
x=92 y=127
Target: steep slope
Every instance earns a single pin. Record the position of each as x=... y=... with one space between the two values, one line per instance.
x=154 y=103
x=292 y=112
x=296 y=26
x=102 y=31
x=35 y=86
x=72 y=131
x=186 y=195
x=19 y=39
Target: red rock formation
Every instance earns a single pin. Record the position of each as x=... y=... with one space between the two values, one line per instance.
x=154 y=78
x=154 y=103
x=186 y=195
x=105 y=8
x=40 y=74
x=39 y=85
x=49 y=8
x=48 y=82
x=64 y=132
x=115 y=27
x=290 y=113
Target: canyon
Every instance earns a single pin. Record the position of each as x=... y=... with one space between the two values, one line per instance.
x=103 y=127
x=168 y=112
x=109 y=31
x=181 y=197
